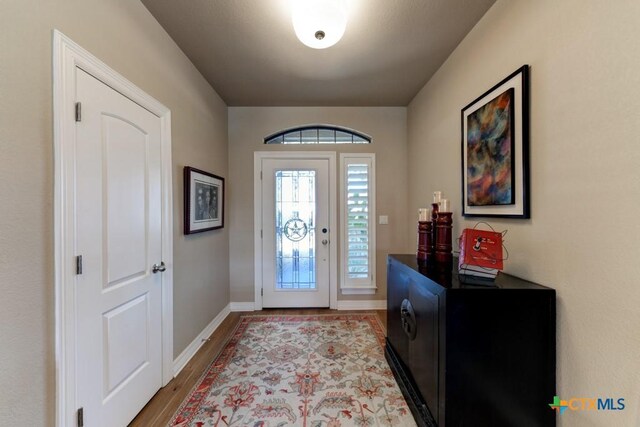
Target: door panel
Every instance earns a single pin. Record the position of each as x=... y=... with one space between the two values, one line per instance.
x=127 y=193
x=295 y=232
x=118 y=228
x=125 y=327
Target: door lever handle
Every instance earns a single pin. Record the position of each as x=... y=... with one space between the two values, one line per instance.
x=158 y=268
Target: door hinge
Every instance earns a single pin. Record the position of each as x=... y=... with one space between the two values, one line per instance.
x=81 y=417
x=78 y=111
x=261 y=234
x=261 y=292
x=79 y=264
x=260 y=175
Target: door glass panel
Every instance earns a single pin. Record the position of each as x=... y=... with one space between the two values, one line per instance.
x=295 y=229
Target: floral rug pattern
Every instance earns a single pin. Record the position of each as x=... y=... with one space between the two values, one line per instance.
x=311 y=371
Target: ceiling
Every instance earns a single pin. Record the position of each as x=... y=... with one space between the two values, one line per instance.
x=248 y=51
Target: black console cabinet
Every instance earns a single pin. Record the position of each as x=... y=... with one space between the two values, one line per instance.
x=471 y=354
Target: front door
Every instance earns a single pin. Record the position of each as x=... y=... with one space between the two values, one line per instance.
x=118 y=227
x=295 y=226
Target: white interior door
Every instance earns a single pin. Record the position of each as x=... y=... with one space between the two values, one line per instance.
x=296 y=239
x=118 y=233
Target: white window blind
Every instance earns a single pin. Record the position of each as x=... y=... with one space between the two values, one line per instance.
x=358 y=227
x=358 y=221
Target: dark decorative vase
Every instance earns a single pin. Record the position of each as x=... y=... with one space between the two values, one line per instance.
x=434 y=218
x=425 y=246
x=444 y=225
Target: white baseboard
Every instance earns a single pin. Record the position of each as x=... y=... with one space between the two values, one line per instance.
x=362 y=305
x=242 y=306
x=358 y=291
x=181 y=361
x=342 y=305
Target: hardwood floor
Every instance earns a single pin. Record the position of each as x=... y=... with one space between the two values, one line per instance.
x=160 y=409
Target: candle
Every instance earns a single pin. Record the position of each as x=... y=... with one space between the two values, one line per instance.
x=437 y=196
x=445 y=205
x=423 y=214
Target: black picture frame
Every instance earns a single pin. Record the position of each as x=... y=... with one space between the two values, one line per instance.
x=203 y=201
x=494 y=183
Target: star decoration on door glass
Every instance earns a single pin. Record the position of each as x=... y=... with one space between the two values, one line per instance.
x=295 y=229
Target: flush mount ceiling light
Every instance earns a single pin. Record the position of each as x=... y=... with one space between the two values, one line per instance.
x=319 y=23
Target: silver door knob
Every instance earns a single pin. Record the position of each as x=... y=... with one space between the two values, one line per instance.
x=325 y=241
x=159 y=268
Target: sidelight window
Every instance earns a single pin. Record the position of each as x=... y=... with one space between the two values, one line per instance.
x=358 y=226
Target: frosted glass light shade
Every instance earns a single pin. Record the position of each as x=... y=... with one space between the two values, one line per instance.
x=319 y=23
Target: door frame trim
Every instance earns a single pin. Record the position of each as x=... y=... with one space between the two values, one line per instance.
x=258 y=156
x=67 y=55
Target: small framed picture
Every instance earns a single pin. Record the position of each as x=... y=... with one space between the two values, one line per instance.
x=203 y=201
x=495 y=150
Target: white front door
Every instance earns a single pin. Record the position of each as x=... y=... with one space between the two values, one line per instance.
x=296 y=238
x=118 y=233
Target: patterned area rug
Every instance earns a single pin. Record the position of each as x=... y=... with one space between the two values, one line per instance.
x=312 y=371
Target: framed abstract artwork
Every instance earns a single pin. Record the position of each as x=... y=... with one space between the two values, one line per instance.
x=203 y=201
x=495 y=150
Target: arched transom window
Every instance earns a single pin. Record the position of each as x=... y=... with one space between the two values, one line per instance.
x=318 y=134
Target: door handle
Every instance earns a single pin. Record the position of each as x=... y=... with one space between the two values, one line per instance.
x=158 y=268
x=325 y=241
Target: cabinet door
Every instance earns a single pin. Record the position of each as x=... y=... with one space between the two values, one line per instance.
x=396 y=293
x=423 y=350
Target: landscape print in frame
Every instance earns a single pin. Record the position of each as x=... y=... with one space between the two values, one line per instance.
x=203 y=201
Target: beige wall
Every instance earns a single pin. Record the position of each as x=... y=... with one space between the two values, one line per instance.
x=582 y=238
x=124 y=35
x=247 y=128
